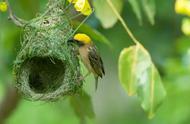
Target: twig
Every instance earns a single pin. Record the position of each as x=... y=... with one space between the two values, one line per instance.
x=9 y=103
x=17 y=21
x=122 y=22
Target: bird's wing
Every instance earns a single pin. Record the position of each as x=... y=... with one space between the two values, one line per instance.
x=96 y=61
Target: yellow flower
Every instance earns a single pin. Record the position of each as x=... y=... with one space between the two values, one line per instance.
x=186 y=26
x=73 y=1
x=82 y=6
x=182 y=7
x=3 y=6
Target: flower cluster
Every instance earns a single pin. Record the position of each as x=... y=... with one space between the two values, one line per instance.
x=186 y=26
x=3 y=6
x=82 y=6
x=183 y=7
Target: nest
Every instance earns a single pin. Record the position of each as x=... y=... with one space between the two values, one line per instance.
x=47 y=67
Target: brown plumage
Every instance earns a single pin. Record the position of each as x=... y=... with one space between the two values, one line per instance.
x=92 y=61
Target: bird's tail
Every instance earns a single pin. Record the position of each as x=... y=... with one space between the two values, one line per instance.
x=96 y=83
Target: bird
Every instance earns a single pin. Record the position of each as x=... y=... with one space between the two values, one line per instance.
x=89 y=55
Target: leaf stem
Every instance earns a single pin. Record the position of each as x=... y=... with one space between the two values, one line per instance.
x=122 y=22
x=82 y=23
x=19 y=22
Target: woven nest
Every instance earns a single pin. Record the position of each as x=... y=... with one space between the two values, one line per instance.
x=46 y=67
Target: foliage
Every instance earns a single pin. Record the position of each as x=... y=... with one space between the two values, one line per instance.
x=82 y=106
x=104 y=12
x=169 y=64
x=138 y=75
x=147 y=5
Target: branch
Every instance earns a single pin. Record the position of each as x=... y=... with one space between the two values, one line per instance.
x=9 y=103
x=17 y=21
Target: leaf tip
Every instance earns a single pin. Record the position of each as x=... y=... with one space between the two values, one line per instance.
x=130 y=93
x=151 y=115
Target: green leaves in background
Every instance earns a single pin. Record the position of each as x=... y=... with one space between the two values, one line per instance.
x=82 y=106
x=137 y=10
x=139 y=76
x=93 y=33
x=185 y=26
x=148 y=7
x=104 y=12
x=107 y=17
x=28 y=8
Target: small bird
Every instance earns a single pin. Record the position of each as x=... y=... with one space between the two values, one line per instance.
x=89 y=56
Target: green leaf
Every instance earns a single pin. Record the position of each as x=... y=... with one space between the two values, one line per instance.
x=82 y=106
x=93 y=33
x=104 y=12
x=139 y=76
x=136 y=9
x=150 y=9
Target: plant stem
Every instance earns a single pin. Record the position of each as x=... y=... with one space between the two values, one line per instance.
x=122 y=22
x=17 y=21
x=82 y=22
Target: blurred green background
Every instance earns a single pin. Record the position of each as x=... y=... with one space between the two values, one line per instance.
x=168 y=47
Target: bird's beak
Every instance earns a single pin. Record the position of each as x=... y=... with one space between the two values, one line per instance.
x=70 y=40
x=73 y=41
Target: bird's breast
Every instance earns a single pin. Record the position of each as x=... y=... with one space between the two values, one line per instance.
x=84 y=57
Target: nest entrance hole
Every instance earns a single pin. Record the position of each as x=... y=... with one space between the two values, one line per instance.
x=45 y=74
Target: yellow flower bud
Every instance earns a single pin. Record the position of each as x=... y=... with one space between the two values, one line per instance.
x=87 y=10
x=79 y=5
x=182 y=7
x=73 y=1
x=186 y=26
x=82 y=6
x=3 y=6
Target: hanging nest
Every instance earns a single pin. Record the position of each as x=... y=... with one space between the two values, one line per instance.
x=47 y=67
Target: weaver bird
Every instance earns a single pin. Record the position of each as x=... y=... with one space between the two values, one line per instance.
x=89 y=56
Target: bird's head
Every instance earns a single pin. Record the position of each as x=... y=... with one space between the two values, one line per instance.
x=81 y=39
